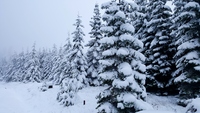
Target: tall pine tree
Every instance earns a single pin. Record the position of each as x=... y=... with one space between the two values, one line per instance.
x=187 y=23
x=76 y=73
x=158 y=47
x=33 y=72
x=123 y=68
x=94 y=53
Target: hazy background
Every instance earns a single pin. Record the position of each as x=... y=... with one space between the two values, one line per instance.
x=45 y=22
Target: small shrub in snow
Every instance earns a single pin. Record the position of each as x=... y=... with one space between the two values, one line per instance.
x=46 y=85
x=184 y=102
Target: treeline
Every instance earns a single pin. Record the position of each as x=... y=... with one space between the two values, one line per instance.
x=141 y=45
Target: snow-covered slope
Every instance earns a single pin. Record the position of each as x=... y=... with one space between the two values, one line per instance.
x=164 y=103
x=28 y=98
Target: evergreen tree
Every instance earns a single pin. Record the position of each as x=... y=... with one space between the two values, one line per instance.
x=55 y=59
x=13 y=67
x=20 y=69
x=61 y=69
x=123 y=68
x=33 y=72
x=186 y=21
x=42 y=62
x=46 y=64
x=138 y=17
x=94 y=52
x=158 y=47
x=57 y=68
x=3 y=69
x=75 y=78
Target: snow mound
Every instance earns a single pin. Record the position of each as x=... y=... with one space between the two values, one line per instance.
x=194 y=106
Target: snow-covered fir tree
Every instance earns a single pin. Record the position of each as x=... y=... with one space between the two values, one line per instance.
x=123 y=68
x=55 y=59
x=1 y=70
x=94 y=53
x=3 y=64
x=186 y=21
x=14 y=69
x=61 y=66
x=65 y=64
x=76 y=71
x=45 y=61
x=138 y=16
x=20 y=71
x=56 y=69
x=67 y=47
x=158 y=47
x=12 y=65
x=32 y=66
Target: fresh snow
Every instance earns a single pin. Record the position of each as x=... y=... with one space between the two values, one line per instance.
x=120 y=14
x=108 y=40
x=189 y=44
x=28 y=98
x=193 y=106
x=107 y=29
x=127 y=27
x=192 y=55
x=125 y=68
x=192 y=4
x=109 y=52
x=197 y=68
x=122 y=51
x=164 y=104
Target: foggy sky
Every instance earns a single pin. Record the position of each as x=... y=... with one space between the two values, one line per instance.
x=44 y=22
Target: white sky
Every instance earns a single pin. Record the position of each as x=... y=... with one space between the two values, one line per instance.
x=45 y=22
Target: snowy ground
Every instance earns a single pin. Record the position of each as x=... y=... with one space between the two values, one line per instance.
x=27 y=98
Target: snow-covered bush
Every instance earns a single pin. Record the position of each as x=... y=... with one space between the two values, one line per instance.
x=46 y=85
x=184 y=102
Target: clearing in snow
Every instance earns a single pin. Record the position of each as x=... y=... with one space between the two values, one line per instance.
x=28 y=98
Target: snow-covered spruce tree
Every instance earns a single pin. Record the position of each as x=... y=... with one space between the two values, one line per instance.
x=3 y=69
x=56 y=69
x=76 y=72
x=138 y=16
x=42 y=54
x=94 y=53
x=123 y=68
x=158 y=48
x=15 y=68
x=55 y=62
x=20 y=67
x=46 y=64
x=10 y=75
x=32 y=66
x=187 y=22
x=61 y=68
